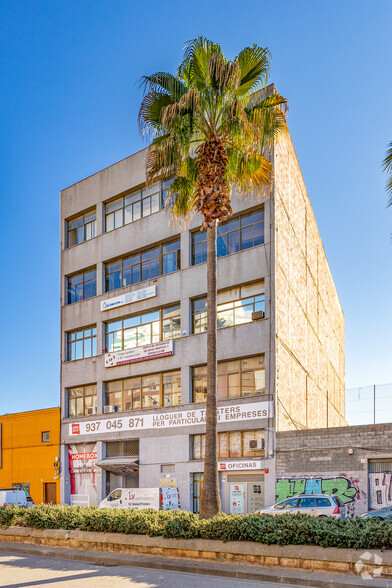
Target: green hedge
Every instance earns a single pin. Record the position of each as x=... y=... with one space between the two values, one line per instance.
x=281 y=530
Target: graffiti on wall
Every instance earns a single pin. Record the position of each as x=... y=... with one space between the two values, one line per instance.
x=380 y=489
x=340 y=486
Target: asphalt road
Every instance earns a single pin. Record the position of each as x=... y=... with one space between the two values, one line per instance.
x=25 y=571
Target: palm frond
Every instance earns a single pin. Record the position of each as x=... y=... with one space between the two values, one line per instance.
x=254 y=64
x=387 y=167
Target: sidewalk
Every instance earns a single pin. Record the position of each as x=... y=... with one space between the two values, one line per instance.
x=255 y=573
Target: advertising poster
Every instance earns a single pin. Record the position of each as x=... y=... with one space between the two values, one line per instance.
x=83 y=473
x=170 y=498
x=237 y=496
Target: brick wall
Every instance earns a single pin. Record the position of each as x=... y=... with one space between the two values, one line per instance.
x=320 y=458
x=309 y=318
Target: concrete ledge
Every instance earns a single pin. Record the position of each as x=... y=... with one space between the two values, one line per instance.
x=305 y=557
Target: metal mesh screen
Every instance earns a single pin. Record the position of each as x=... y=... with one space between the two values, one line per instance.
x=380 y=466
x=123 y=448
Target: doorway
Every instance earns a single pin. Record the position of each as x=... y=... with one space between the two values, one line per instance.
x=50 y=492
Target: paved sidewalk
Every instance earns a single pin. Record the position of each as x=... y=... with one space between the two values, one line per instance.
x=287 y=576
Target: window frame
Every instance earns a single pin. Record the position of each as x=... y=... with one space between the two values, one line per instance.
x=241 y=229
x=199 y=439
x=133 y=200
x=85 y=223
x=242 y=370
x=125 y=389
x=143 y=261
x=84 y=396
x=82 y=339
x=202 y=328
x=45 y=434
x=140 y=327
x=83 y=282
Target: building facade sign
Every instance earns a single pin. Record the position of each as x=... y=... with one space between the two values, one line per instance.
x=168 y=420
x=128 y=298
x=250 y=464
x=143 y=353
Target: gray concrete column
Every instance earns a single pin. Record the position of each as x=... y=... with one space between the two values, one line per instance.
x=185 y=316
x=186 y=385
x=185 y=249
x=101 y=474
x=100 y=278
x=100 y=225
x=100 y=396
x=65 y=483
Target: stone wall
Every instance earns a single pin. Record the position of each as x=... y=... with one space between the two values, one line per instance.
x=334 y=461
x=309 y=318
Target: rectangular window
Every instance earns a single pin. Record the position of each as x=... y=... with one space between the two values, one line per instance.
x=80 y=399
x=82 y=343
x=234 y=235
x=232 y=444
x=82 y=286
x=135 y=205
x=81 y=229
x=145 y=265
x=143 y=329
x=145 y=391
x=45 y=436
x=229 y=314
x=236 y=378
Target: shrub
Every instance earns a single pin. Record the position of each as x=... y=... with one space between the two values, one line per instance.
x=285 y=529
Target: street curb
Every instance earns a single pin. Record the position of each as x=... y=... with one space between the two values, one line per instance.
x=237 y=571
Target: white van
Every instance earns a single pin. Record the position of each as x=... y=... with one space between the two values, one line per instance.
x=17 y=497
x=138 y=498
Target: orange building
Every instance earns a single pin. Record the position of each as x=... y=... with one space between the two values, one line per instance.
x=29 y=450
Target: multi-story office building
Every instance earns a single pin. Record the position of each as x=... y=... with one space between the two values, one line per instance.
x=133 y=320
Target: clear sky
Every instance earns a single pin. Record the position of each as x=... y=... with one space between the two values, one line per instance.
x=69 y=102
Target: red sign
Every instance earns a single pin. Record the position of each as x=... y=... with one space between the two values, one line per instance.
x=222 y=466
x=82 y=456
x=76 y=429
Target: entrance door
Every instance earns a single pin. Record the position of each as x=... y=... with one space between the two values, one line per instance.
x=237 y=498
x=255 y=491
x=50 y=492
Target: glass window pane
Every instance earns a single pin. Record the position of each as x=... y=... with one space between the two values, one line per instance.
x=130 y=338
x=233 y=242
x=77 y=222
x=137 y=210
x=143 y=335
x=169 y=247
x=90 y=274
x=110 y=222
x=146 y=207
x=118 y=218
x=243 y=314
x=234 y=385
x=155 y=188
x=87 y=348
x=254 y=217
x=223 y=446
x=134 y=197
x=235 y=449
x=221 y=246
x=115 y=205
x=151 y=316
x=132 y=321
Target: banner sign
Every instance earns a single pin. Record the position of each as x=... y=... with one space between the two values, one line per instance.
x=168 y=420
x=128 y=298
x=228 y=466
x=139 y=353
x=139 y=498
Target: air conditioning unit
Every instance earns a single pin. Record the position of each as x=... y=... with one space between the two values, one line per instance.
x=256 y=316
x=109 y=408
x=256 y=444
x=92 y=410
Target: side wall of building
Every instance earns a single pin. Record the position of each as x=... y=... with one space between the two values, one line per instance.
x=352 y=463
x=25 y=458
x=309 y=318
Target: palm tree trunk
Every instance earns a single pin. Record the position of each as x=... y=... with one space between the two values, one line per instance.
x=210 y=503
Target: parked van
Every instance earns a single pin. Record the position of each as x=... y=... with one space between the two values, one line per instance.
x=139 y=498
x=17 y=497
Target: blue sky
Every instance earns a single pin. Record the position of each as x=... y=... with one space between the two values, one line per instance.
x=69 y=102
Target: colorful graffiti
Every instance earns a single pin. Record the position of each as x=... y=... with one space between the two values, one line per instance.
x=339 y=486
x=380 y=490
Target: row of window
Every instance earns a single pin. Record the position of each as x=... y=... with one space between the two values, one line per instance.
x=122 y=211
x=165 y=323
x=235 y=235
x=236 y=379
x=231 y=444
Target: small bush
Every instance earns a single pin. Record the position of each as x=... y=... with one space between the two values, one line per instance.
x=285 y=529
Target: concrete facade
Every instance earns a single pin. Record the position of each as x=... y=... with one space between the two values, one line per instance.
x=353 y=463
x=168 y=449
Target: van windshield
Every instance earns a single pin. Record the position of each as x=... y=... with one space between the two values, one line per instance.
x=115 y=495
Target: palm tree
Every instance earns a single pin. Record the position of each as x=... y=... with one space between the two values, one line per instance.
x=211 y=126
x=387 y=167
